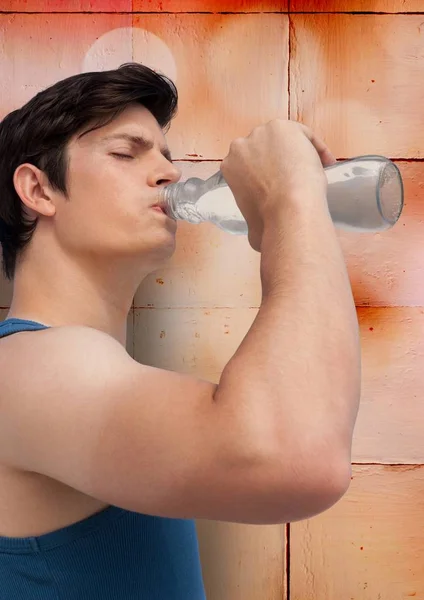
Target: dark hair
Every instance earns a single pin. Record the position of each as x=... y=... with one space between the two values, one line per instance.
x=38 y=133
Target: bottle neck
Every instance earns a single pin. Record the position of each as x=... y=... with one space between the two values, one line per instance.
x=170 y=195
x=180 y=200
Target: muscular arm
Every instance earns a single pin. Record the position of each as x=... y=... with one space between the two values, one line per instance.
x=271 y=443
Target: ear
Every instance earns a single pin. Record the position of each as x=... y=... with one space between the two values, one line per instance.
x=33 y=188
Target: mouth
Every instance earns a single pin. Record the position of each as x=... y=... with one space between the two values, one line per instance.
x=159 y=209
x=169 y=220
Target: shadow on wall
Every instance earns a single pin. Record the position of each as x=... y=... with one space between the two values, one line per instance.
x=387 y=268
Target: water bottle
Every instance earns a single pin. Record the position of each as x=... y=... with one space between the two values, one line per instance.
x=364 y=194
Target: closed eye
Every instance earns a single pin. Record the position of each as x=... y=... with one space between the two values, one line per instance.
x=122 y=156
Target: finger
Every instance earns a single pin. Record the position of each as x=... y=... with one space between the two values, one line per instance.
x=327 y=158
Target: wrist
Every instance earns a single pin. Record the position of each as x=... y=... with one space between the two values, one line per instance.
x=301 y=205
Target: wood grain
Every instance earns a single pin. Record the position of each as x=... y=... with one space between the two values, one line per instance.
x=50 y=42
x=66 y=5
x=367 y=547
x=226 y=87
x=389 y=428
x=356 y=80
x=159 y=6
x=243 y=562
x=368 y=6
x=215 y=6
x=387 y=268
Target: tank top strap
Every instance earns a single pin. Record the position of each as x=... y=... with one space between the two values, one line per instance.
x=13 y=325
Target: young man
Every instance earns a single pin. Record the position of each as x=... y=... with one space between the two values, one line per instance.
x=104 y=462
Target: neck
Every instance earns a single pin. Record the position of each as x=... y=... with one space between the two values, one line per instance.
x=64 y=292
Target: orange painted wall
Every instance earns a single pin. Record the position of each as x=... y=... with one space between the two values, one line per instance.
x=353 y=70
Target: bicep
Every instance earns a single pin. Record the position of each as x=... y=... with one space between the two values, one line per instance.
x=147 y=440
x=90 y=416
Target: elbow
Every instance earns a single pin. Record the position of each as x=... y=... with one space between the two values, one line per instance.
x=313 y=489
x=296 y=488
x=323 y=483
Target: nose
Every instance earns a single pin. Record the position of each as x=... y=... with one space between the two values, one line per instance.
x=166 y=173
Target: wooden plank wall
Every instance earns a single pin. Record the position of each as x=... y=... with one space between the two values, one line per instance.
x=353 y=70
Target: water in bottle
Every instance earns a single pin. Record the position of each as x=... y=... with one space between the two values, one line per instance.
x=364 y=194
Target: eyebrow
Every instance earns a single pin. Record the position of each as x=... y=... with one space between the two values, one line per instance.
x=140 y=141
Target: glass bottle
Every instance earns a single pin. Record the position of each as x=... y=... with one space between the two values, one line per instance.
x=364 y=194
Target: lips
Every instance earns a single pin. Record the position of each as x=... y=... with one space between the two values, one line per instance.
x=159 y=209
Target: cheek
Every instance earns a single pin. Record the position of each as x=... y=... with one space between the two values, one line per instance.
x=98 y=218
x=105 y=207
x=93 y=192
x=92 y=175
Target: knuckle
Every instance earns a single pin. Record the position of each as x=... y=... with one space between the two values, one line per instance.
x=280 y=123
x=237 y=143
x=224 y=164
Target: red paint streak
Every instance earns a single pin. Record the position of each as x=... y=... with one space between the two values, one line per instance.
x=71 y=5
x=215 y=6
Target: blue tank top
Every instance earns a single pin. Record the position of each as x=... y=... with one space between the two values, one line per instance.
x=115 y=554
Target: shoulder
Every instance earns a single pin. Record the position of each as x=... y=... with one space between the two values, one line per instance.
x=58 y=382
x=61 y=342
x=58 y=357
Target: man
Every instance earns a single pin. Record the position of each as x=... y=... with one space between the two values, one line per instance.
x=104 y=462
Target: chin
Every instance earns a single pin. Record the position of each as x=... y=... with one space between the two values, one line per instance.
x=161 y=251
x=150 y=245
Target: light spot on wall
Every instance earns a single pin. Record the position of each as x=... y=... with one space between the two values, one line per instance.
x=109 y=51
x=112 y=49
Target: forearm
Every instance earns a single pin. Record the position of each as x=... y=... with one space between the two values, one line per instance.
x=298 y=369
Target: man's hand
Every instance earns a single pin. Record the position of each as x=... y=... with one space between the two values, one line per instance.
x=278 y=163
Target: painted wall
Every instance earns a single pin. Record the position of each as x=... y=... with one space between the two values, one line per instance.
x=357 y=78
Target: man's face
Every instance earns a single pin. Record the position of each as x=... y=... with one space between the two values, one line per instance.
x=114 y=175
